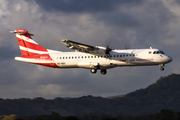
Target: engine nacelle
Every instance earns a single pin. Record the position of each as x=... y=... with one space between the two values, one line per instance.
x=99 y=50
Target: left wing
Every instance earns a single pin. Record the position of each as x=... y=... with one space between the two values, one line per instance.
x=83 y=48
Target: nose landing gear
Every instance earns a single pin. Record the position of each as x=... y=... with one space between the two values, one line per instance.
x=162 y=67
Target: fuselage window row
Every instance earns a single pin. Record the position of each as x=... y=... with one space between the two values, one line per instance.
x=105 y=56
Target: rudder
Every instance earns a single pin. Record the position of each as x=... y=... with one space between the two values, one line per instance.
x=26 y=44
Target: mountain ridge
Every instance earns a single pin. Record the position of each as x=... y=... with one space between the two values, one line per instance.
x=164 y=94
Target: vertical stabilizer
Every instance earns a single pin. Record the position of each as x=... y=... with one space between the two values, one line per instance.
x=26 y=44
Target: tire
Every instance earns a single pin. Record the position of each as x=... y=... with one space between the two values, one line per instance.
x=93 y=71
x=162 y=69
x=103 y=72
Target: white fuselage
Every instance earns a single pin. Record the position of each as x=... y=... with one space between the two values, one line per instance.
x=117 y=58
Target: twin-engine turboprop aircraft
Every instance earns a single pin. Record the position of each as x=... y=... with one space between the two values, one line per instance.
x=86 y=56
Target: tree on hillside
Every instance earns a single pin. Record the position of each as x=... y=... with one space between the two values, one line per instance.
x=10 y=117
x=55 y=116
x=71 y=118
x=109 y=119
x=52 y=116
x=165 y=114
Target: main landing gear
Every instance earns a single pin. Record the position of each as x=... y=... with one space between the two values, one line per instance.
x=93 y=71
x=103 y=71
x=162 y=67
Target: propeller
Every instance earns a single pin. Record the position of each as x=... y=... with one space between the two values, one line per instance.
x=108 y=49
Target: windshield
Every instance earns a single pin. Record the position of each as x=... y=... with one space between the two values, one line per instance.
x=158 y=52
x=161 y=52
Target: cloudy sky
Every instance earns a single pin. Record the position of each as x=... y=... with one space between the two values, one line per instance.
x=133 y=23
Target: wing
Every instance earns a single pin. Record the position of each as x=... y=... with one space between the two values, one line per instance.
x=83 y=47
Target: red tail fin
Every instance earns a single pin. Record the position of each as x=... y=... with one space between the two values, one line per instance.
x=26 y=44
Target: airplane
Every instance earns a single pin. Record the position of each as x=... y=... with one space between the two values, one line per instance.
x=86 y=56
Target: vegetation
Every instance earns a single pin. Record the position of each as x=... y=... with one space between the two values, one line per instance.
x=164 y=114
x=161 y=97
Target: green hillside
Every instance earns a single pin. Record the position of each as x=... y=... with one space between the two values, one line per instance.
x=164 y=94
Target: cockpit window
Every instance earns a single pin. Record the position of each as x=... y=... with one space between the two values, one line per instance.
x=161 y=52
x=158 y=52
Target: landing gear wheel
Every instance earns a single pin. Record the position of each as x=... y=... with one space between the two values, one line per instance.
x=93 y=71
x=103 y=72
x=162 y=69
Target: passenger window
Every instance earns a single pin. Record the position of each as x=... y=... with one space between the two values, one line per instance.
x=66 y=57
x=117 y=55
x=94 y=56
x=123 y=55
x=91 y=56
x=127 y=55
x=60 y=57
x=69 y=57
x=114 y=55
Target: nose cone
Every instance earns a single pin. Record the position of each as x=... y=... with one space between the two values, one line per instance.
x=169 y=59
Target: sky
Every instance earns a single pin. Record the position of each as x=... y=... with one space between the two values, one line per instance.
x=133 y=23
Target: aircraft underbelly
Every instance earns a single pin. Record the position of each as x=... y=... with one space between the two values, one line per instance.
x=95 y=64
x=67 y=64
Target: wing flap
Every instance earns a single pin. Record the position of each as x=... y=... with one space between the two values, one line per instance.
x=73 y=43
x=98 y=50
x=78 y=46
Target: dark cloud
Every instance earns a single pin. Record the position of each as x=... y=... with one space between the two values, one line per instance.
x=9 y=76
x=178 y=1
x=140 y=23
x=119 y=19
x=79 y=6
x=8 y=52
x=141 y=29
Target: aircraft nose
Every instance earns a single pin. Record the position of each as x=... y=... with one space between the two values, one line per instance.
x=169 y=59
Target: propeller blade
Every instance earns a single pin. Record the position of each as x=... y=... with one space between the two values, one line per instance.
x=108 y=48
